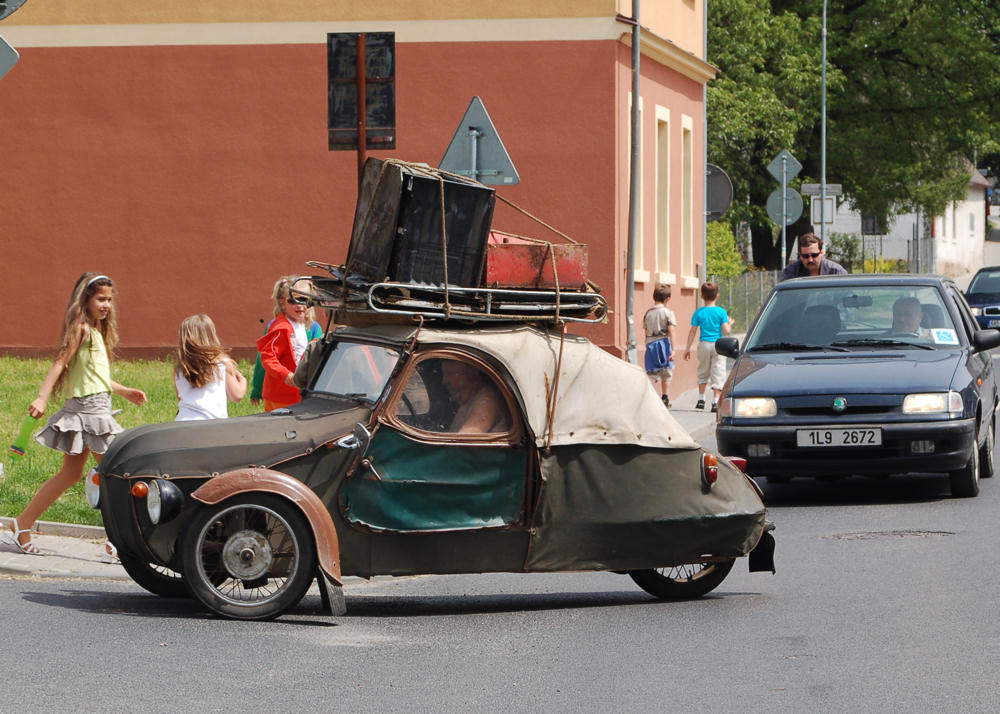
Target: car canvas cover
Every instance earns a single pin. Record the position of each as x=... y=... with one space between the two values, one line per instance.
x=600 y=398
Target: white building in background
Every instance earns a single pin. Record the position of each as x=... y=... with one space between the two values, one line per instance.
x=954 y=247
x=960 y=234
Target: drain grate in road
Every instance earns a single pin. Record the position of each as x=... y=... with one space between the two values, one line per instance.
x=872 y=535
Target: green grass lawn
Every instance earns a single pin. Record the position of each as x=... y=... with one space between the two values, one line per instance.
x=19 y=383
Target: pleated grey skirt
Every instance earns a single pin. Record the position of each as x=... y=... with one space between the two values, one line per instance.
x=82 y=423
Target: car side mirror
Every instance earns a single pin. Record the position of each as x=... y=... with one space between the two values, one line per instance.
x=728 y=347
x=985 y=339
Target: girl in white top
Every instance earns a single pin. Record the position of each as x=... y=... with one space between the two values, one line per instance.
x=205 y=376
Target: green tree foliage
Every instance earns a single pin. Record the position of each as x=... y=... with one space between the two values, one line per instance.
x=844 y=248
x=723 y=256
x=913 y=91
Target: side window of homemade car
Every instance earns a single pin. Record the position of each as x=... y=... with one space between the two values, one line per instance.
x=452 y=396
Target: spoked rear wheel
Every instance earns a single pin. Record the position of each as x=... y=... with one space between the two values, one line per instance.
x=683 y=581
x=250 y=557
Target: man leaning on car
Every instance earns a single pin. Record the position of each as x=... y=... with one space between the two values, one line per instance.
x=811 y=260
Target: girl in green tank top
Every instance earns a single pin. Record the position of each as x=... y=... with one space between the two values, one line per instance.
x=84 y=425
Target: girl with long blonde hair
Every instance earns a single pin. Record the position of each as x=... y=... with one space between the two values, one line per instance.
x=81 y=370
x=205 y=376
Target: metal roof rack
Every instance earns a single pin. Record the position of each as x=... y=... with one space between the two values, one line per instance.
x=352 y=294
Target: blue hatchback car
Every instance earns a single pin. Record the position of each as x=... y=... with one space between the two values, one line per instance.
x=862 y=374
x=983 y=296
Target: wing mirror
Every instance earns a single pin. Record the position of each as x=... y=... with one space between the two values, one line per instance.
x=728 y=347
x=985 y=339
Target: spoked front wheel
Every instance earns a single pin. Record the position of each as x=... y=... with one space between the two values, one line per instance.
x=250 y=557
x=683 y=581
x=155 y=578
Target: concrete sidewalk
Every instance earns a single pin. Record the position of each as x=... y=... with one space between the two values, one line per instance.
x=71 y=551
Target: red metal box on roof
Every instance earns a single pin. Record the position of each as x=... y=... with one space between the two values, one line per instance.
x=517 y=262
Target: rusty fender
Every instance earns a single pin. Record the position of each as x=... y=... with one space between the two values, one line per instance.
x=234 y=483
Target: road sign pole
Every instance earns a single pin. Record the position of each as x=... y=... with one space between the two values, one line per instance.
x=784 y=210
x=362 y=107
x=474 y=135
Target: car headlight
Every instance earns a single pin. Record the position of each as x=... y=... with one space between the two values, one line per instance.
x=753 y=407
x=163 y=501
x=932 y=403
x=93 y=488
x=977 y=311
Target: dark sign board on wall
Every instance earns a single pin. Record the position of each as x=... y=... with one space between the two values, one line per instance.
x=373 y=88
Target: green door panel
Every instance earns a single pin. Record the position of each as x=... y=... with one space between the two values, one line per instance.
x=435 y=487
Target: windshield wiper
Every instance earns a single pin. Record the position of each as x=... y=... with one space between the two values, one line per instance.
x=793 y=347
x=870 y=342
x=361 y=397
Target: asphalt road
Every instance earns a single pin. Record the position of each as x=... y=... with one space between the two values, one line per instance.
x=884 y=600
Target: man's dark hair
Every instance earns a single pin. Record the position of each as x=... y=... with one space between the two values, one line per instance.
x=661 y=292
x=807 y=239
x=709 y=291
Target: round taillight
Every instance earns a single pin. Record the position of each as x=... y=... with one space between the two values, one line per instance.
x=739 y=462
x=140 y=489
x=709 y=469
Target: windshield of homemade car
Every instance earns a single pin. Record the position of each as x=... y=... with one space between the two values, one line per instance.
x=854 y=317
x=356 y=370
x=986 y=282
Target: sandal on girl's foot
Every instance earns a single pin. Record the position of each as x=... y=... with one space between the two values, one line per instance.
x=13 y=537
x=110 y=554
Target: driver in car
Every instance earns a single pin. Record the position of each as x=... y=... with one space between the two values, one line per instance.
x=906 y=317
x=481 y=409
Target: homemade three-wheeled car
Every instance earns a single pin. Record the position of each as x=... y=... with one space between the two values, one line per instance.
x=453 y=427
x=420 y=450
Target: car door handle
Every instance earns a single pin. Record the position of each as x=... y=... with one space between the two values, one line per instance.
x=371 y=467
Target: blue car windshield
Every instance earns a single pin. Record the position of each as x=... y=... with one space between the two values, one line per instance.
x=357 y=371
x=985 y=282
x=860 y=317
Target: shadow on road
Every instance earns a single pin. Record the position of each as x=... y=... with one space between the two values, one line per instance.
x=410 y=605
x=858 y=490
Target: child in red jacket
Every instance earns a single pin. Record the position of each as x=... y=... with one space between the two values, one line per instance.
x=282 y=346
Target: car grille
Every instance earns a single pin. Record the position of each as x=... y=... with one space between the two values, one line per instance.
x=991 y=310
x=859 y=406
x=850 y=414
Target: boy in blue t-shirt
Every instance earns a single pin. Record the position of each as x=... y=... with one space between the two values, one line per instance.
x=713 y=322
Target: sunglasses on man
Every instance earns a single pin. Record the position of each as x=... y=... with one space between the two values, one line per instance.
x=810 y=255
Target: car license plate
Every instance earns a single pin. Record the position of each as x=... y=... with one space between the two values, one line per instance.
x=839 y=437
x=993 y=323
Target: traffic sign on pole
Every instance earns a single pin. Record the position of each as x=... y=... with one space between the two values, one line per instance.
x=9 y=6
x=8 y=57
x=785 y=202
x=784 y=166
x=476 y=150
x=718 y=192
x=792 y=206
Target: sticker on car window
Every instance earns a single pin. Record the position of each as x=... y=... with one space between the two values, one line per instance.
x=944 y=336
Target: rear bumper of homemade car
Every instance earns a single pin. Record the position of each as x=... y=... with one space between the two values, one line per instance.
x=953 y=444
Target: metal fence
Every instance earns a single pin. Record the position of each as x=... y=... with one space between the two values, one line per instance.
x=742 y=295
